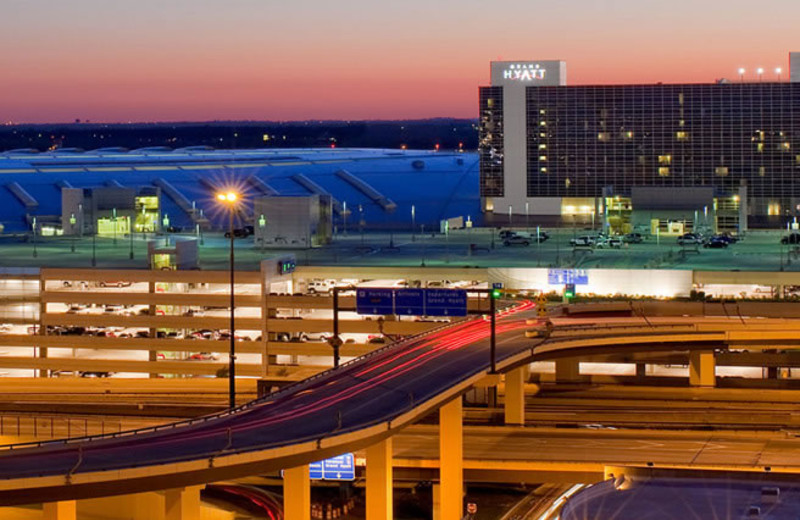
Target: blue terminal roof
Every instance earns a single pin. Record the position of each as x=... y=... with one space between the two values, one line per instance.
x=439 y=184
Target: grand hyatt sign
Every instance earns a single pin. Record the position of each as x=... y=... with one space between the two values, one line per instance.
x=520 y=74
x=524 y=72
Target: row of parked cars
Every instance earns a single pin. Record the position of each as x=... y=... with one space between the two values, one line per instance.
x=602 y=241
x=718 y=241
x=523 y=238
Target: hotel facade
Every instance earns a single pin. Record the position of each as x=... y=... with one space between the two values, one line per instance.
x=668 y=157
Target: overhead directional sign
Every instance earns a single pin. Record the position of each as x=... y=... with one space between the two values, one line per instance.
x=342 y=467
x=565 y=276
x=445 y=302
x=409 y=302
x=375 y=301
x=412 y=302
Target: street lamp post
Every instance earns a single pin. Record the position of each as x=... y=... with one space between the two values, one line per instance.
x=165 y=223
x=229 y=199
x=35 y=253
x=413 y=222
x=262 y=225
x=72 y=221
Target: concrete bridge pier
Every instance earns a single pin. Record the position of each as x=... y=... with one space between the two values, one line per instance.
x=379 y=481
x=451 y=460
x=64 y=510
x=514 y=407
x=568 y=370
x=702 y=368
x=182 y=503
x=297 y=493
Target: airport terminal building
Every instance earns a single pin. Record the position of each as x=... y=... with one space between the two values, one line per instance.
x=723 y=155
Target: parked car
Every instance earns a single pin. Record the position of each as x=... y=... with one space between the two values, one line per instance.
x=584 y=241
x=794 y=238
x=320 y=286
x=204 y=356
x=242 y=232
x=516 y=240
x=114 y=283
x=613 y=242
x=690 y=239
x=633 y=238
x=715 y=243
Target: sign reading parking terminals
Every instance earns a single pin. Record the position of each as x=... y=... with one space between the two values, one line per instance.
x=375 y=301
x=342 y=467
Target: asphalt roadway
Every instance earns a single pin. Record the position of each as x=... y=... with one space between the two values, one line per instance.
x=371 y=390
x=758 y=251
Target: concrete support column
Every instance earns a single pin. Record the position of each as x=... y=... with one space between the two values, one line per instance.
x=515 y=396
x=379 y=481
x=567 y=370
x=296 y=494
x=152 y=355
x=148 y=506
x=436 y=491
x=451 y=459
x=64 y=510
x=702 y=368
x=182 y=503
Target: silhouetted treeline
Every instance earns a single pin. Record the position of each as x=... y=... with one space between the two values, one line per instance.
x=449 y=134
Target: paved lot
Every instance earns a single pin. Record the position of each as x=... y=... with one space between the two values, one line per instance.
x=760 y=250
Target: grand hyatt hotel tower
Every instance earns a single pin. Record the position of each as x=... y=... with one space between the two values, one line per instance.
x=666 y=157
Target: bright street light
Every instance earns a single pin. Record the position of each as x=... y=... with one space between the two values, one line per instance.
x=229 y=199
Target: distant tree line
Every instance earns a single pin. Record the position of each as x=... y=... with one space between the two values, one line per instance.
x=448 y=134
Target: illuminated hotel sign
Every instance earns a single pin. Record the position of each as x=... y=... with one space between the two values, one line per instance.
x=524 y=72
x=521 y=74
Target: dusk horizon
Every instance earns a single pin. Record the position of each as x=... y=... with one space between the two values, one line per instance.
x=189 y=61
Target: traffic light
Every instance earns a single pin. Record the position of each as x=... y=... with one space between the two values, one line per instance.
x=496 y=293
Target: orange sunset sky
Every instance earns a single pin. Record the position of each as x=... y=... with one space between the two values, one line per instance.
x=198 y=60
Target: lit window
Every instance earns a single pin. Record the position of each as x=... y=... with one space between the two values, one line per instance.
x=542 y=134
x=542 y=111
x=627 y=135
x=681 y=122
x=567 y=182
x=762 y=171
x=663 y=171
x=542 y=157
x=602 y=136
x=760 y=147
x=773 y=209
x=542 y=123
x=786 y=145
x=721 y=171
x=490 y=102
x=682 y=136
x=543 y=146
x=543 y=170
x=664 y=159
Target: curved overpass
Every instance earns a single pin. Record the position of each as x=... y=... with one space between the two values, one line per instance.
x=339 y=410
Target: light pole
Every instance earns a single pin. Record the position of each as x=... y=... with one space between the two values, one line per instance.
x=35 y=253
x=229 y=199
x=72 y=221
x=262 y=225
x=413 y=222
x=165 y=224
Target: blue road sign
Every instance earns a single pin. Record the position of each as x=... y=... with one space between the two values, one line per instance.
x=375 y=301
x=342 y=467
x=315 y=470
x=565 y=276
x=497 y=285
x=445 y=302
x=409 y=302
